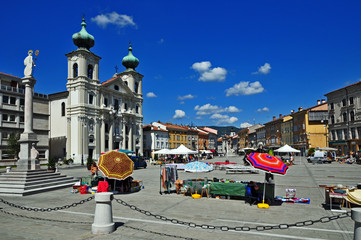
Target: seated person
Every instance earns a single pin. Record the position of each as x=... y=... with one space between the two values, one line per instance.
x=94 y=169
x=254 y=189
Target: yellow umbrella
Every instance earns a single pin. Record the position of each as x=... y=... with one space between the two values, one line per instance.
x=116 y=165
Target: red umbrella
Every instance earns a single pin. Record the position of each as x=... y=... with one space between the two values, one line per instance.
x=269 y=164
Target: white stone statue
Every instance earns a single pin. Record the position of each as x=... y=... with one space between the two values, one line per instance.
x=34 y=153
x=29 y=63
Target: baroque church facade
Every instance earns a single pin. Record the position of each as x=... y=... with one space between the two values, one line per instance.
x=92 y=117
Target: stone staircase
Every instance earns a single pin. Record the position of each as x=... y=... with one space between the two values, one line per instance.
x=21 y=183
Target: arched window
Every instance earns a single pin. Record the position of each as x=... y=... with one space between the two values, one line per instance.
x=352 y=116
x=344 y=116
x=90 y=71
x=63 y=109
x=116 y=87
x=75 y=70
x=136 y=87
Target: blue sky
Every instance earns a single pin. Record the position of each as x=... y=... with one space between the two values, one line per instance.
x=204 y=62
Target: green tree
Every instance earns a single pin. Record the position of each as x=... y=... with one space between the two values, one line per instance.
x=13 y=145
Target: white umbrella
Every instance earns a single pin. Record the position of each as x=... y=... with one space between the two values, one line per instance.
x=163 y=151
x=287 y=149
x=183 y=150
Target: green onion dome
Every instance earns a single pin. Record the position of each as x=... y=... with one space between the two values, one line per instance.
x=83 y=39
x=130 y=62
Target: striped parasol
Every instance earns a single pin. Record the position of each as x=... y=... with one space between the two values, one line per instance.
x=267 y=163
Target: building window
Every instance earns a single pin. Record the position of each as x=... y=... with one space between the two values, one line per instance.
x=126 y=83
x=5 y=135
x=125 y=107
x=5 y=99
x=352 y=116
x=106 y=102
x=332 y=119
x=116 y=87
x=13 y=100
x=136 y=87
x=75 y=70
x=137 y=109
x=351 y=100
x=344 y=117
x=343 y=102
x=12 y=118
x=22 y=119
x=106 y=128
x=116 y=104
x=90 y=71
x=353 y=133
x=91 y=98
x=63 y=109
x=22 y=102
x=332 y=106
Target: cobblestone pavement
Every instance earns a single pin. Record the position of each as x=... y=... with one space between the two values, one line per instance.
x=75 y=222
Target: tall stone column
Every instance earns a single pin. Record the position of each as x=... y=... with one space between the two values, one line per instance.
x=28 y=156
x=102 y=136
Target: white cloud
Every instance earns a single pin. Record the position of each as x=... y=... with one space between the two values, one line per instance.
x=245 y=88
x=120 y=20
x=209 y=109
x=265 y=109
x=223 y=119
x=201 y=66
x=189 y=96
x=233 y=109
x=265 y=69
x=245 y=125
x=209 y=74
x=151 y=95
x=179 y=114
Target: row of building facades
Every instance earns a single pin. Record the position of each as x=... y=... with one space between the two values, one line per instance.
x=335 y=124
x=92 y=117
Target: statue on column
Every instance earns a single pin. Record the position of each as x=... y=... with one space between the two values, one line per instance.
x=30 y=63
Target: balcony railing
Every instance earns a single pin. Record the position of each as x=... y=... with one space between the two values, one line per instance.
x=21 y=91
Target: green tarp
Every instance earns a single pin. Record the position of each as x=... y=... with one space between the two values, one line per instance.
x=228 y=189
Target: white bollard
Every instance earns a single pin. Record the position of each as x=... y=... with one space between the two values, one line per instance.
x=356 y=216
x=8 y=169
x=103 y=218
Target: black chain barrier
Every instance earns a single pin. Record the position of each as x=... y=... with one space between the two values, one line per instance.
x=46 y=209
x=240 y=228
x=41 y=219
x=163 y=234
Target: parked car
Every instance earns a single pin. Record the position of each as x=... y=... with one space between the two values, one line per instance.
x=138 y=162
x=319 y=157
